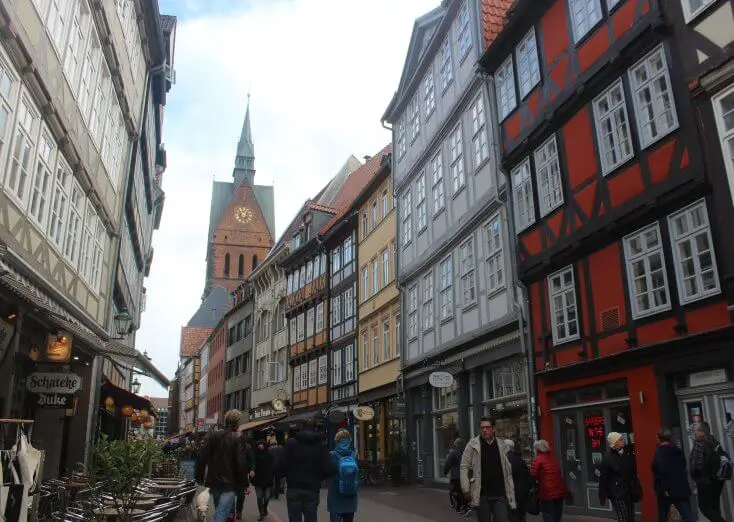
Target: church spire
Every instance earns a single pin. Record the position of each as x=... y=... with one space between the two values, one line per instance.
x=244 y=166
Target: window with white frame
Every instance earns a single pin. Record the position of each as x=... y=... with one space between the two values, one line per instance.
x=693 y=253
x=336 y=367
x=300 y=330
x=24 y=147
x=365 y=225
x=375 y=276
x=42 y=179
x=415 y=118
x=456 y=158
x=323 y=369
x=349 y=362
x=375 y=218
x=98 y=247
x=463 y=36
x=564 y=315
x=319 y=317
x=447 y=288
x=479 y=144
x=468 y=282
x=429 y=94
x=313 y=375
x=336 y=260
x=365 y=350
x=281 y=364
x=385 y=204
x=309 y=272
x=612 y=128
x=428 y=301
x=90 y=69
x=60 y=203
x=439 y=200
x=548 y=176
x=386 y=340
x=310 y=322
x=292 y=331
x=505 y=84
x=77 y=201
x=316 y=267
x=646 y=277
x=420 y=208
x=348 y=303
x=693 y=8
x=8 y=102
x=365 y=283
x=261 y=372
x=528 y=68
x=99 y=106
x=56 y=14
x=407 y=221
x=652 y=96
x=495 y=260
x=397 y=335
x=385 y=266
x=348 y=250
x=91 y=254
x=77 y=42
x=402 y=145
x=304 y=376
x=375 y=347
x=297 y=378
x=413 y=312
x=522 y=187
x=446 y=69
x=724 y=112
x=336 y=310
x=585 y=14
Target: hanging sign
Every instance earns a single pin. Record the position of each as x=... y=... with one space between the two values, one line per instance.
x=49 y=383
x=6 y=335
x=58 y=347
x=54 y=400
x=364 y=413
x=441 y=379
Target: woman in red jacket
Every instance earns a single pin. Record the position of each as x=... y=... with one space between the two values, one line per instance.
x=546 y=469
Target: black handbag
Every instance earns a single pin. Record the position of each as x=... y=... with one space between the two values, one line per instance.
x=533 y=504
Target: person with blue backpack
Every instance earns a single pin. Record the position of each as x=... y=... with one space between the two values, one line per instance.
x=341 y=500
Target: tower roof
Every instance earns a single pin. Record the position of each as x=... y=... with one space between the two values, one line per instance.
x=245 y=147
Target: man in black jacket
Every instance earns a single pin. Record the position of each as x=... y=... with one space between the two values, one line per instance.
x=306 y=464
x=222 y=457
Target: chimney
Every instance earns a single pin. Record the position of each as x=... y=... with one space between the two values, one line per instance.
x=367 y=157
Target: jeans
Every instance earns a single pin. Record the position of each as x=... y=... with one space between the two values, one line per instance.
x=303 y=504
x=493 y=509
x=552 y=510
x=188 y=467
x=709 y=500
x=224 y=504
x=263 y=499
x=683 y=505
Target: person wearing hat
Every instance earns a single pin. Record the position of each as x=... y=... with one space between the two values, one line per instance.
x=618 y=480
x=452 y=465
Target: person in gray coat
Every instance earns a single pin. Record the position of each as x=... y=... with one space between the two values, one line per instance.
x=452 y=466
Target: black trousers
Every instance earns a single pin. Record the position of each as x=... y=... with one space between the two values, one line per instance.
x=709 y=500
x=455 y=489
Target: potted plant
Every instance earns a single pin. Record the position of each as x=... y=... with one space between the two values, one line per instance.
x=395 y=462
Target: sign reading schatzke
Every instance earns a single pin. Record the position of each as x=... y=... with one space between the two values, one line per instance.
x=62 y=383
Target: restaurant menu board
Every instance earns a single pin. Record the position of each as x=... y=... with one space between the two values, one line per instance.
x=595 y=438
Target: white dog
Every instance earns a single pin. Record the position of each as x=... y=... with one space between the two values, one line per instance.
x=202 y=505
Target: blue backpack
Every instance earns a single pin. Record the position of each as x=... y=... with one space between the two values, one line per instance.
x=348 y=475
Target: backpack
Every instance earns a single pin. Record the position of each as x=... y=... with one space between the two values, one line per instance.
x=348 y=475
x=719 y=464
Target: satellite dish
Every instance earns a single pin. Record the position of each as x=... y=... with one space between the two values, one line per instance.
x=336 y=416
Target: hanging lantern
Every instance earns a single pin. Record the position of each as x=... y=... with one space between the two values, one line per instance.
x=148 y=424
x=109 y=404
x=134 y=417
x=127 y=411
x=144 y=415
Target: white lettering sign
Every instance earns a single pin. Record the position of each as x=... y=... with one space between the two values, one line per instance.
x=64 y=383
x=54 y=400
x=364 y=413
x=441 y=379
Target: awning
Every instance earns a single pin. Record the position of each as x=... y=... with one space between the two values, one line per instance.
x=261 y=422
x=126 y=398
x=300 y=417
x=138 y=360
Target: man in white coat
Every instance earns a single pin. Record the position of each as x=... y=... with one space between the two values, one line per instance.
x=489 y=487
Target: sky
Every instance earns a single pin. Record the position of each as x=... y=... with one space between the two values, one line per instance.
x=321 y=74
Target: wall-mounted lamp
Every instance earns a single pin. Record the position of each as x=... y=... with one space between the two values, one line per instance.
x=123 y=322
x=135 y=385
x=641 y=396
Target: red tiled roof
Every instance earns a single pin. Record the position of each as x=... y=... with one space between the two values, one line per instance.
x=192 y=337
x=354 y=185
x=321 y=208
x=493 y=19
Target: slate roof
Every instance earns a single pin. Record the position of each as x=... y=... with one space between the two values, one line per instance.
x=168 y=22
x=329 y=193
x=494 y=18
x=211 y=309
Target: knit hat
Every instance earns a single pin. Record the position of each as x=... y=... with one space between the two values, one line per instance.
x=613 y=438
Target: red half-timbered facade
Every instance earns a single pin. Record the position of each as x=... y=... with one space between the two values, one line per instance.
x=616 y=239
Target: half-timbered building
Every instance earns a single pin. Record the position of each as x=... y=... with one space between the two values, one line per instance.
x=613 y=222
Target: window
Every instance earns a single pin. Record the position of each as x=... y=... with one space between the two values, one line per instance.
x=16 y=181
x=323 y=369
x=309 y=271
x=693 y=8
x=724 y=111
x=336 y=260
x=241 y=266
x=429 y=94
x=407 y=222
x=293 y=332
x=415 y=121
x=317 y=267
x=375 y=276
x=313 y=373
x=7 y=106
x=480 y=147
x=297 y=378
x=310 y=322
x=447 y=70
x=42 y=180
x=375 y=347
x=365 y=350
x=562 y=294
x=439 y=200
x=336 y=310
x=299 y=327
x=693 y=253
x=304 y=376
x=99 y=106
x=468 y=284
x=385 y=205
x=319 y=317
x=336 y=368
x=447 y=288
x=226 y=265
x=92 y=249
x=420 y=208
x=375 y=218
x=522 y=186
x=386 y=354
x=349 y=362
x=646 y=278
x=348 y=251
x=585 y=14
x=495 y=260
x=548 y=176
x=348 y=303
x=397 y=335
x=77 y=42
x=464 y=34
x=653 y=97
x=385 y=267
x=505 y=84
x=413 y=312
x=365 y=283
x=56 y=20
x=365 y=225
x=428 y=302
x=612 y=128
x=456 y=157
x=88 y=80
x=528 y=70
x=402 y=146
x=60 y=193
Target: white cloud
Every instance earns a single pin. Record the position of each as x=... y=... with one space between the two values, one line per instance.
x=321 y=72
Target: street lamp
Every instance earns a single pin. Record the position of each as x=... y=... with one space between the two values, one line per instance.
x=135 y=385
x=123 y=321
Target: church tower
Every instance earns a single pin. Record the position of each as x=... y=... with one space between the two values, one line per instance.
x=241 y=221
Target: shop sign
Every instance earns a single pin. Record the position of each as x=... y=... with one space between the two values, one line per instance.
x=364 y=413
x=261 y=413
x=50 y=383
x=441 y=379
x=58 y=347
x=54 y=400
x=399 y=408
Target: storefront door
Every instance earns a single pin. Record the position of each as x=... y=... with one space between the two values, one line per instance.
x=581 y=434
x=715 y=405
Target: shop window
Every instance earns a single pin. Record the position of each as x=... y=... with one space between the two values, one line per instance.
x=505 y=380
x=445 y=398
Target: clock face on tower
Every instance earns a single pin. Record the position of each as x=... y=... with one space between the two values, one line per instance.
x=243 y=214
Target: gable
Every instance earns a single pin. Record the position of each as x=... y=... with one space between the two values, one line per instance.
x=423 y=31
x=253 y=232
